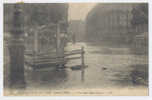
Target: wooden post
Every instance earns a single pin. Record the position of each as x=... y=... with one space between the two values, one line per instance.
x=36 y=42
x=58 y=40
x=16 y=51
x=35 y=46
x=59 y=45
x=83 y=65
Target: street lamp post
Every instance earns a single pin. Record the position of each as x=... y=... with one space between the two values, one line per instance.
x=16 y=50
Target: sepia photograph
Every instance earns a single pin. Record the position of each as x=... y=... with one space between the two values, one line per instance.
x=75 y=49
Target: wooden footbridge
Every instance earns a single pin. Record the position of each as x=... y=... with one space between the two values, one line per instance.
x=44 y=61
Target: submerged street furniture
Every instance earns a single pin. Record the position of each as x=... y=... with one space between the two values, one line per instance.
x=54 y=59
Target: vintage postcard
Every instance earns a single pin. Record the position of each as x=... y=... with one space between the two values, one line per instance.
x=75 y=49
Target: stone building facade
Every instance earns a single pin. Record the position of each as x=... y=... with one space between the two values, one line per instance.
x=110 y=22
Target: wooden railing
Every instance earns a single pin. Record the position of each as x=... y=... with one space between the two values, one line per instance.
x=41 y=61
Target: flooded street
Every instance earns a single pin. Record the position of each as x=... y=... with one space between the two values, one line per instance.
x=76 y=49
x=107 y=67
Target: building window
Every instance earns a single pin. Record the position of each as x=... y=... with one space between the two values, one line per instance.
x=123 y=20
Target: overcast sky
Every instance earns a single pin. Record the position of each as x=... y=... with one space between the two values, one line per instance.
x=79 y=11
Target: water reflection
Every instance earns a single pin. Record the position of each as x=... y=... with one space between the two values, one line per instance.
x=47 y=78
x=105 y=70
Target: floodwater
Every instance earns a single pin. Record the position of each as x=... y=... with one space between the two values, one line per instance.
x=107 y=67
